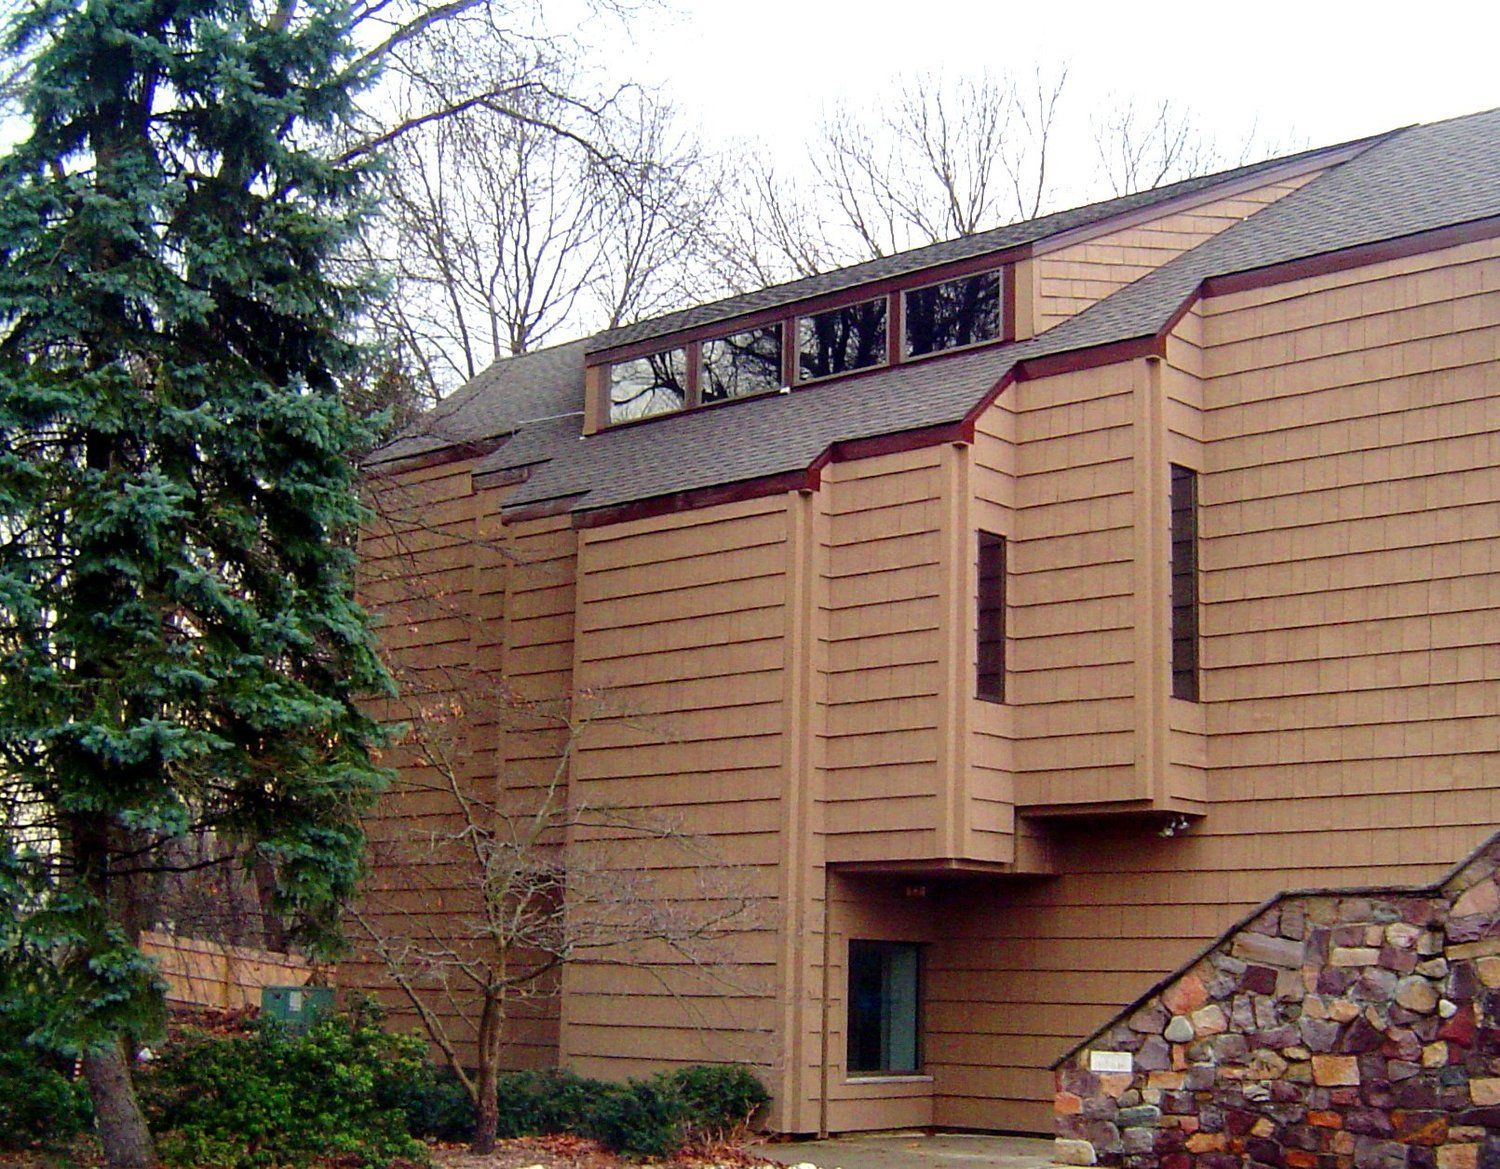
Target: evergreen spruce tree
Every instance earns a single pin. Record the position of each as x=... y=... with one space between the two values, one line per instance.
x=179 y=646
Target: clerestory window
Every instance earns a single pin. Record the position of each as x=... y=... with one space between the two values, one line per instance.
x=648 y=386
x=842 y=339
x=771 y=352
x=953 y=314
x=742 y=364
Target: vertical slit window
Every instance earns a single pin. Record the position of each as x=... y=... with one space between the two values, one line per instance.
x=1184 y=583
x=991 y=628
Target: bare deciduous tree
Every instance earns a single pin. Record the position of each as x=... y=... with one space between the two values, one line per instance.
x=944 y=158
x=487 y=877
x=662 y=197
x=510 y=222
x=545 y=879
x=1140 y=147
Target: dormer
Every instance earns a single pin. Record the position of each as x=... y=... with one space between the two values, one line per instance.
x=916 y=317
x=983 y=290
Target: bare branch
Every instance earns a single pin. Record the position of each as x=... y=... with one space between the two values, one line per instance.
x=487 y=879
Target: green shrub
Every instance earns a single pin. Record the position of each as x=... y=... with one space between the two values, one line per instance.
x=435 y=1104
x=650 y=1118
x=643 y=1118
x=39 y=1104
x=717 y=1098
x=533 y=1103
x=280 y=1100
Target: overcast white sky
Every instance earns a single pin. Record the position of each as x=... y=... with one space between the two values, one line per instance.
x=1303 y=73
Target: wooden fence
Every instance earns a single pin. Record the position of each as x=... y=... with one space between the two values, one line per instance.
x=206 y=974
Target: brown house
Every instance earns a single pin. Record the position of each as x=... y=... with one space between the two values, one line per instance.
x=1015 y=613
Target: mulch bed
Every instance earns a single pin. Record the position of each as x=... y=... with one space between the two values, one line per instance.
x=555 y=1152
x=549 y=1152
x=570 y=1152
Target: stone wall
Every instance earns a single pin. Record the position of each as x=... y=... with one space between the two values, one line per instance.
x=1330 y=1030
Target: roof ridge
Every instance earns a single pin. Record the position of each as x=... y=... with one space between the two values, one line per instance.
x=911 y=260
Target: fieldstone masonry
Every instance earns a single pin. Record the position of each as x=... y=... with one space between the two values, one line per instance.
x=1331 y=1030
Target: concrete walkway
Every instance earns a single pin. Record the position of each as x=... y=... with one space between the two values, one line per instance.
x=914 y=1150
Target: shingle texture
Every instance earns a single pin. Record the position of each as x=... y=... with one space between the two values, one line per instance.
x=513 y=392
x=1412 y=181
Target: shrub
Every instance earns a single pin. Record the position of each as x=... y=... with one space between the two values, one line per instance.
x=280 y=1100
x=435 y=1104
x=717 y=1099
x=650 y=1118
x=644 y=1118
x=552 y=1101
x=39 y=1104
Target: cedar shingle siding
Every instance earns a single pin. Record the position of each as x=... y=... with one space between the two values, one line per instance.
x=781 y=600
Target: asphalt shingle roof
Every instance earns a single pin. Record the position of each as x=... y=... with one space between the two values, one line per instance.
x=1010 y=236
x=1412 y=181
x=513 y=392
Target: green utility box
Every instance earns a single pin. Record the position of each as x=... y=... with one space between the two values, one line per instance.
x=296 y=1007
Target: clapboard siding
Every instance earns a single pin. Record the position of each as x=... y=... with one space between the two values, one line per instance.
x=1351 y=680
x=1071 y=590
x=434 y=569
x=882 y=739
x=680 y=628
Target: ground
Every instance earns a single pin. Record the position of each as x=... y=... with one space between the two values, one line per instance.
x=565 y=1152
x=910 y=1150
x=558 y=1152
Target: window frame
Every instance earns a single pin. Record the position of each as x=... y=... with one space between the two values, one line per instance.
x=689 y=353
x=882 y=362
x=701 y=362
x=889 y=291
x=1184 y=594
x=992 y=564
x=884 y=946
x=1001 y=272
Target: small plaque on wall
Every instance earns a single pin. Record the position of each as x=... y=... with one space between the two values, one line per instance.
x=1111 y=1061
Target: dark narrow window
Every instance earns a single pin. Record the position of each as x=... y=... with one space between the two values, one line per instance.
x=953 y=314
x=991 y=660
x=884 y=991
x=1184 y=583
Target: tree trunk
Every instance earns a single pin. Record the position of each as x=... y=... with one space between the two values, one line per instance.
x=487 y=1111
x=272 y=928
x=487 y=1107
x=117 y=1114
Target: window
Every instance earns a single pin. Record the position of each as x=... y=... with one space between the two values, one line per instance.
x=1184 y=583
x=991 y=633
x=648 y=385
x=742 y=364
x=884 y=990
x=934 y=317
x=842 y=339
x=953 y=314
